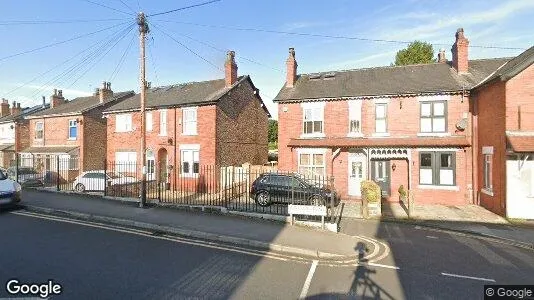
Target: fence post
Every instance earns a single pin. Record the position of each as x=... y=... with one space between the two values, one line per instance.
x=105 y=176
x=58 y=175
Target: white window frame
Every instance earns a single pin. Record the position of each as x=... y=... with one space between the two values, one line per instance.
x=123 y=123
x=189 y=127
x=130 y=165
x=148 y=121
x=487 y=170
x=355 y=116
x=317 y=115
x=385 y=118
x=163 y=122
x=192 y=149
x=73 y=121
x=42 y=130
x=70 y=161
x=311 y=152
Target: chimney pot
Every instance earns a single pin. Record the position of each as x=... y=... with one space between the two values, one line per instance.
x=291 y=64
x=44 y=101
x=441 y=56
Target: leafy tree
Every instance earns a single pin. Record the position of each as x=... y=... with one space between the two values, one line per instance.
x=273 y=131
x=416 y=53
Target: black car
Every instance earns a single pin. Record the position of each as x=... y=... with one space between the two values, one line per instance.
x=293 y=189
x=27 y=177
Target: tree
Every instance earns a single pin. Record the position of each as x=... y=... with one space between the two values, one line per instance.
x=273 y=131
x=416 y=53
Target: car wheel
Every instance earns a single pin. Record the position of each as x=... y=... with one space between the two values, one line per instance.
x=262 y=198
x=316 y=200
x=80 y=188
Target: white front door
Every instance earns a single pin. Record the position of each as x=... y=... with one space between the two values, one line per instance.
x=151 y=165
x=357 y=173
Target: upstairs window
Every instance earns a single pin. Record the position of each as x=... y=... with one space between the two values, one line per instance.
x=148 y=121
x=163 y=122
x=434 y=116
x=313 y=118
x=73 y=129
x=381 y=118
x=355 y=117
x=39 y=130
x=189 y=121
x=123 y=123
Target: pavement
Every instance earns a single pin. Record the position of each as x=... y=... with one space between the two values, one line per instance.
x=469 y=219
x=265 y=234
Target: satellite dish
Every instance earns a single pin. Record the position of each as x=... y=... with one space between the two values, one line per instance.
x=462 y=124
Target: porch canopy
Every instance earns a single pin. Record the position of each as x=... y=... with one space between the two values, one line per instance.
x=520 y=144
x=70 y=150
x=344 y=142
x=7 y=147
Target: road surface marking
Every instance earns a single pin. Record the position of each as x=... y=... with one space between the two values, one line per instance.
x=307 y=283
x=383 y=266
x=467 y=277
x=432 y=237
x=376 y=247
x=168 y=238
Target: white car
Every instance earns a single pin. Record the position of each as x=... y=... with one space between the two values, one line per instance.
x=9 y=190
x=96 y=180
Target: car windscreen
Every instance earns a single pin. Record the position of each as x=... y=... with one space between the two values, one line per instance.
x=23 y=171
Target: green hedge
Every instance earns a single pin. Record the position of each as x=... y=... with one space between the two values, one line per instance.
x=371 y=191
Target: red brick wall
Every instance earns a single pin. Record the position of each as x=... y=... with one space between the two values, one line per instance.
x=520 y=92
x=22 y=135
x=491 y=124
x=399 y=177
x=402 y=122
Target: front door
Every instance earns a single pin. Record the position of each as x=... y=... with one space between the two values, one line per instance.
x=150 y=165
x=380 y=173
x=357 y=173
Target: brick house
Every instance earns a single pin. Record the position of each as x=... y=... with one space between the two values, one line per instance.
x=504 y=106
x=219 y=122
x=404 y=125
x=71 y=130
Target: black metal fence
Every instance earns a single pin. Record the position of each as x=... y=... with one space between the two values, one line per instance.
x=257 y=189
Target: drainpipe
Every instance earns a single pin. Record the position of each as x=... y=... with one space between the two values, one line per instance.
x=334 y=155
x=474 y=149
x=174 y=169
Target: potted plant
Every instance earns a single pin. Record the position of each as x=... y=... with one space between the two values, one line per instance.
x=371 y=196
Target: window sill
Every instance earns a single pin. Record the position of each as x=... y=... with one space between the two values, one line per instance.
x=314 y=135
x=439 y=187
x=71 y=139
x=162 y=135
x=355 y=135
x=190 y=134
x=487 y=192
x=381 y=134
x=433 y=134
x=189 y=175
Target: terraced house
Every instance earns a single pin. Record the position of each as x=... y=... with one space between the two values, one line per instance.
x=412 y=125
x=220 y=122
x=70 y=130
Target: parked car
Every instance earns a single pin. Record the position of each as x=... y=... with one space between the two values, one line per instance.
x=9 y=190
x=27 y=177
x=291 y=188
x=96 y=180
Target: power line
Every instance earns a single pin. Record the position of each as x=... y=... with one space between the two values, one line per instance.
x=127 y=7
x=73 y=68
x=121 y=61
x=327 y=36
x=188 y=49
x=61 y=42
x=108 y=7
x=102 y=56
x=41 y=22
x=153 y=62
x=225 y=50
x=183 y=8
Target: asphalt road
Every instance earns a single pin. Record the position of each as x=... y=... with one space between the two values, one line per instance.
x=95 y=262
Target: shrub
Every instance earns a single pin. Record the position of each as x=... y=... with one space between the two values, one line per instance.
x=371 y=191
x=402 y=192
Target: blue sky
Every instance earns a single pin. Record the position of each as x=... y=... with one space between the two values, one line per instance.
x=260 y=54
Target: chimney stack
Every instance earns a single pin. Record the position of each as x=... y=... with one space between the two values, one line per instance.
x=4 y=108
x=44 y=101
x=230 y=69
x=15 y=109
x=441 y=56
x=57 y=98
x=291 y=64
x=460 y=58
x=105 y=93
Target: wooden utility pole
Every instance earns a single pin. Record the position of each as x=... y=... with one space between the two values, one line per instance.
x=143 y=30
